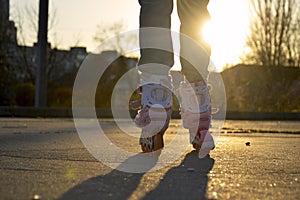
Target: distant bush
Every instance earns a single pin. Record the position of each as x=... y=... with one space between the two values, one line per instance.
x=257 y=88
x=24 y=94
x=60 y=97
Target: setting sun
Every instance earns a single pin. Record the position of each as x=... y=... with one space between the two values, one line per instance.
x=226 y=31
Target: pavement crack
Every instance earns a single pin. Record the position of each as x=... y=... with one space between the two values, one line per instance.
x=21 y=169
x=45 y=158
x=241 y=130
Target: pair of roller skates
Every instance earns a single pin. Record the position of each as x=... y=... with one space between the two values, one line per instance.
x=156 y=108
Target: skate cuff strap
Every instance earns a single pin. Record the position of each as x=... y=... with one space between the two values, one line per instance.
x=148 y=78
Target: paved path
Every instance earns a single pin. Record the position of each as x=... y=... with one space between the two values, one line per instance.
x=45 y=157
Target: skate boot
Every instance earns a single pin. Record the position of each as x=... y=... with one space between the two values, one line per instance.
x=155 y=110
x=196 y=115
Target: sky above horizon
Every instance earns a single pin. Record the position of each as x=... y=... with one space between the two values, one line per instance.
x=77 y=21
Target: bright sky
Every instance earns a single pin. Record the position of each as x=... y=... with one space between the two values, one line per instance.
x=77 y=20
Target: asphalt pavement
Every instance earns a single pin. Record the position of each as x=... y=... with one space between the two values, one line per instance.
x=45 y=159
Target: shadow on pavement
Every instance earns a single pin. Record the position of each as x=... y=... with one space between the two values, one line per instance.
x=114 y=185
x=185 y=181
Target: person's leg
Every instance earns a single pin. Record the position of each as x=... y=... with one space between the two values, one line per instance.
x=193 y=15
x=193 y=92
x=155 y=81
x=156 y=14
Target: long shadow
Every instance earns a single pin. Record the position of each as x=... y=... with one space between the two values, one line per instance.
x=185 y=181
x=114 y=185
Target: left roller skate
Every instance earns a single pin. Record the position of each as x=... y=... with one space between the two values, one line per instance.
x=155 y=110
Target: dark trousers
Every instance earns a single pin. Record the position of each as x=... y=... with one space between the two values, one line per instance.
x=193 y=14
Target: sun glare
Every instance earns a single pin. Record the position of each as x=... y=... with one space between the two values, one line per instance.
x=226 y=31
x=206 y=33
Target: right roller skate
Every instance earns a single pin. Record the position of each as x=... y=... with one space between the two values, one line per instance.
x=196 y=115
x=155 y=110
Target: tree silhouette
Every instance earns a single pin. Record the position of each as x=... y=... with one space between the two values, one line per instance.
x=274 y=38
x=7 y=70
x=117 y=41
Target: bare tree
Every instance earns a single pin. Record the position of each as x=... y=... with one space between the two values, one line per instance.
x=274 y=33
x=120 y=42
x=27 y=59
x=7 y=72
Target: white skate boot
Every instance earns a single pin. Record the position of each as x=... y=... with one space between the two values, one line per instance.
x=155 y=110
x=196 y=115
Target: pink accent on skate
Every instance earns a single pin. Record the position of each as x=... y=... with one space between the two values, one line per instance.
x=207 y=144
x=196 y=121
x=135 y=105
